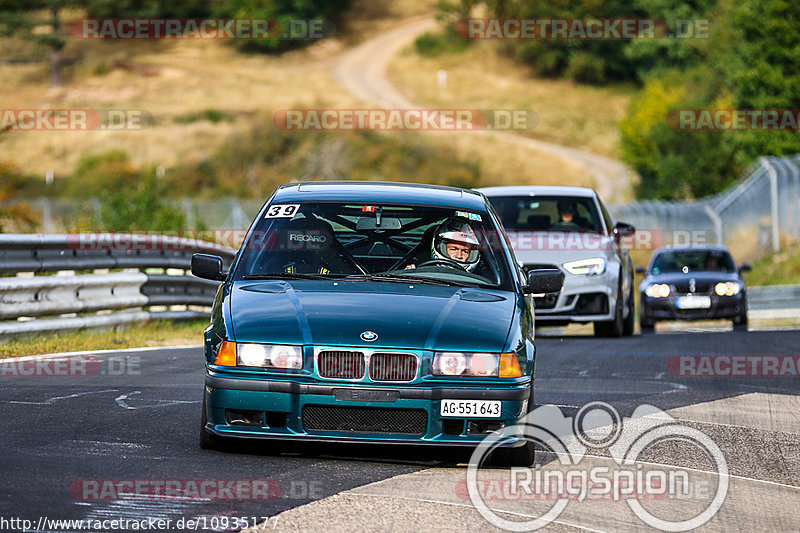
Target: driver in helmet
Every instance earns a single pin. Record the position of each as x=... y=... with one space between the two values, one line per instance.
x=454 y=241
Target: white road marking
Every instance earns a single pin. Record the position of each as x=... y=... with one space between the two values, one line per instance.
x=122 y=402
x=53 y=400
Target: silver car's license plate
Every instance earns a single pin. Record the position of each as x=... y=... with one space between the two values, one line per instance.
x=693 y=302
x=471 y=408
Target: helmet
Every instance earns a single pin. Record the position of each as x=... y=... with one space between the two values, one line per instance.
x=456 y=231
x=567 y=206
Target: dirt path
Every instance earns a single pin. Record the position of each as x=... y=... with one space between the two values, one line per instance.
x=362 y=71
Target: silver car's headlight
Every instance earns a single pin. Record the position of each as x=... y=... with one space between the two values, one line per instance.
x=586 y=267
x=269 y=356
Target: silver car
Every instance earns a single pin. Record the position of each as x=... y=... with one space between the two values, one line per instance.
x=569 y=228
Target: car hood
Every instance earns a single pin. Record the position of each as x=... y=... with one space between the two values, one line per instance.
x=335 y=313
x=673 y=278
x=558 y=247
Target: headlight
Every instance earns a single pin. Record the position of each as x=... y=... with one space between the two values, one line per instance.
x=659 y=290
x=504 y=365
x=586 y=267
x=260 y=355
x=728 y=288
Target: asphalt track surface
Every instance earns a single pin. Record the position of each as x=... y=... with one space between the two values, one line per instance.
x=137 y=418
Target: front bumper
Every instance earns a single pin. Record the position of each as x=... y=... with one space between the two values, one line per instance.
x=666 y=308
x=582 y=299
x=278 y=409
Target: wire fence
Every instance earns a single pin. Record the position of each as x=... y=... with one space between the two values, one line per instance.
x=758 y=215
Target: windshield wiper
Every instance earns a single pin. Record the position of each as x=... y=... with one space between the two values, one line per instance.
x=288 y=275
x=404 y=279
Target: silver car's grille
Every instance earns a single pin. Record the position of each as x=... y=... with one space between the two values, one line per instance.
x=341 y=364
x=392 y=367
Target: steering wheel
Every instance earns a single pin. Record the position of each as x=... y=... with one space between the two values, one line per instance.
x=446 y=262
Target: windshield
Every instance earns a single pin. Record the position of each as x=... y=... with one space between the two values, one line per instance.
x=547 y=213
x=693 y=261
x=386 y=242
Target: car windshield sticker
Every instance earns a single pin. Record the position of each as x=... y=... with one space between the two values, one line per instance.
x=471 y=216
x=282 y=211
x=368 y=209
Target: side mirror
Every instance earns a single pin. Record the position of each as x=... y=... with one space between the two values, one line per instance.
x=208 y=267
x=623 y=229
x=544 y=280
x=640 y=269
x=745 y=267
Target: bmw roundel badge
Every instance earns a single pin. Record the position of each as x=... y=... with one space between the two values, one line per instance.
x=369 y=336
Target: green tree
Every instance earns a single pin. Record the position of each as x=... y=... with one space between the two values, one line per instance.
x=23 y=18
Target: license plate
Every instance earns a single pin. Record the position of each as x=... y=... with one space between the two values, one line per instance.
x=693 y=302
x=471 y=408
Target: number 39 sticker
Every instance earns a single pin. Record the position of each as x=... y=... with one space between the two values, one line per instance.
x=282 y=211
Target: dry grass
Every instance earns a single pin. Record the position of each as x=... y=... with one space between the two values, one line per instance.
x=156 y=333
x=178 y=78
x=482 y=77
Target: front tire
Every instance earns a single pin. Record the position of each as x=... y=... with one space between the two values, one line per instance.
x=630 y=320
x=611 y=328
x=524 y=455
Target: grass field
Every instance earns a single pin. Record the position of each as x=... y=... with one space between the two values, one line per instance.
x=570 y=114
x=156 y=333
x=184 y=85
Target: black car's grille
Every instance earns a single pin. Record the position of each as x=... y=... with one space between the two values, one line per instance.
x=699 y=288
x=365 y=420
x=392 y=367
x=341 y=364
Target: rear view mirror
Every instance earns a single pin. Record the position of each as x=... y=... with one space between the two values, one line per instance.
x=640 y=269
x=208 y=267
x=745 y=267
x=544 y=280
x=371 y=224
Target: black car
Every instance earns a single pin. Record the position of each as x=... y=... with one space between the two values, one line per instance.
x=693 y=283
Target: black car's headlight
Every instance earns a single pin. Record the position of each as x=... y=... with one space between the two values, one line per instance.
x=476 y=364
x=728 y=288
x=276 y=356
x=659 y=290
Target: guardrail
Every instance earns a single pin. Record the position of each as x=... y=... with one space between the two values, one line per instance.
x=774 y=297
x=81 y=297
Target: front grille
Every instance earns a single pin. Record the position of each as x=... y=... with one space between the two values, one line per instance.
x=699 y=288
x=392 y=367
x=341 y=364
x=365 y=420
